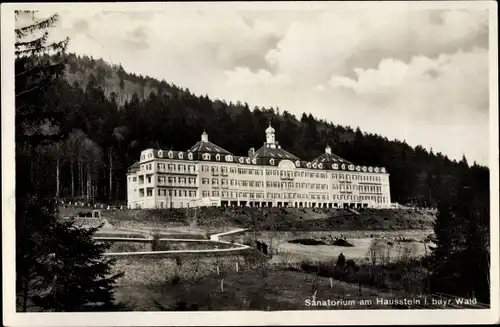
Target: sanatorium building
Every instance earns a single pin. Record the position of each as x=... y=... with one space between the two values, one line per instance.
x=208 y=175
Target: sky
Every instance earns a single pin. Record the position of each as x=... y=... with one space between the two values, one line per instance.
x=404 y=73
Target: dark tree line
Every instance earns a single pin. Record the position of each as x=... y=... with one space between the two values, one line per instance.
x=58 y=265
x=460 y=261
x=113 y=115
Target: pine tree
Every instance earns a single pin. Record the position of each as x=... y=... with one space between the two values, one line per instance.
x=58 y=266
x=459 y=264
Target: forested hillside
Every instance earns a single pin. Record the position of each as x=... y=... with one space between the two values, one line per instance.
x=112 y=115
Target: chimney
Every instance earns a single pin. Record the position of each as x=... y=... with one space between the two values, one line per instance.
x=251 y=152
x=328 y=149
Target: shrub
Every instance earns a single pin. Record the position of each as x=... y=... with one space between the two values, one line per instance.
x=175 y=279
x=341 y=261
x=306 y=265
x=155 y=242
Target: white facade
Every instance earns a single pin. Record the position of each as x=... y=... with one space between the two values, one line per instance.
x=207 y=175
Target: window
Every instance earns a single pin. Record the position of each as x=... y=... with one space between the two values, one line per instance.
x=190 y=156
x=204 y=168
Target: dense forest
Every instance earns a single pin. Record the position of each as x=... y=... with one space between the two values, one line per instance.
x=112 y=115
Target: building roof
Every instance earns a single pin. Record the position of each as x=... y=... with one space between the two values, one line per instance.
x=330 y=158
x=208 y=147
x=205 y=146
x=277 y=152
x=270 y=154
x=270 y=129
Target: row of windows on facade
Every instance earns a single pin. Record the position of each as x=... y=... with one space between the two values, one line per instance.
x=251 y=195
x=249 y=171
x=290 y=174
x=164 y=192
x=294 y=196
x=230 y=158
x=170 y=167
x=191 y=181
x=341 y=187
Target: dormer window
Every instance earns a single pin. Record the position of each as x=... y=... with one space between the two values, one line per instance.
x=181 y=155
x=382 y=169
x=206 y=156
x=370 y=169
x=351 y=167
x=315 y=165
x=376 y=169
x=170 y=154
x=358 y=168
x=320 y=166
x=248 y=160
x=143 y=157
x=241 y=160
x=229 y=158
x=271 y=161
x=297 y=163
x=363 y=168
x=217 y=157
x=190 y=156
x=160 y=153
x=335 y=166
x=308 y=165
x=254 y=161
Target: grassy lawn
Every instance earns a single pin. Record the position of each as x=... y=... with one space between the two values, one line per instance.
x=246 y=290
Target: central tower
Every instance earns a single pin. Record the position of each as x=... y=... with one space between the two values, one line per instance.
x=270 y=137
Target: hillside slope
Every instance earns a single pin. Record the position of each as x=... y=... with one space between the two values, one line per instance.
x=267 y=219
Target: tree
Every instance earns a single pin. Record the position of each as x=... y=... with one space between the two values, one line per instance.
x=58 y=265
x=63 y=268
x=460 y=260
x=341 y=260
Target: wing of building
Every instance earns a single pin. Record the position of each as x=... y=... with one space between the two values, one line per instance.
x=208 y=175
